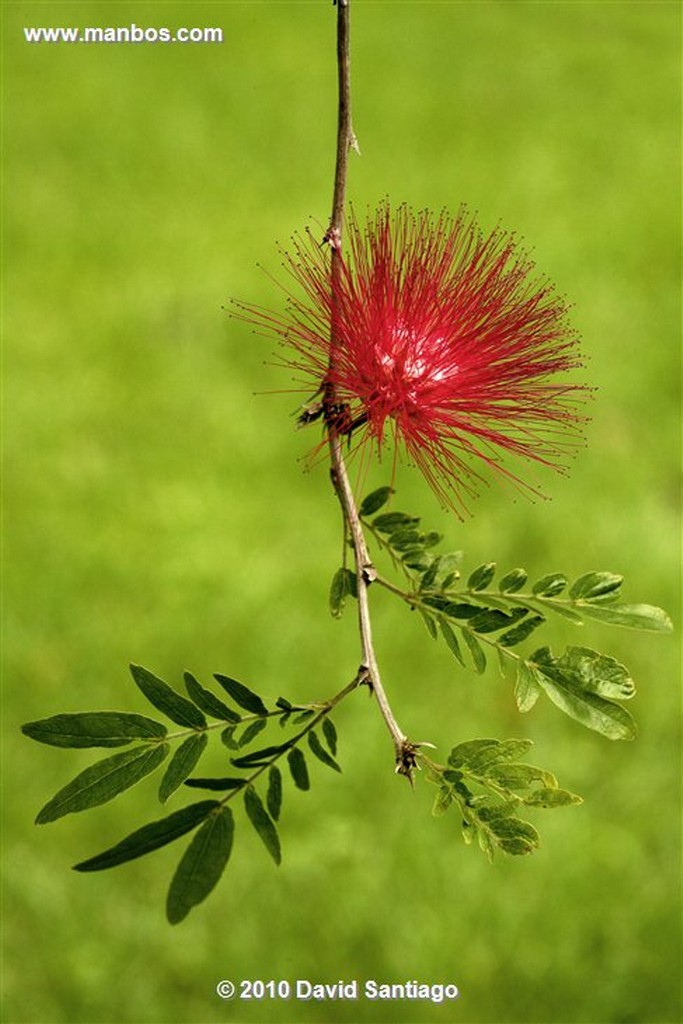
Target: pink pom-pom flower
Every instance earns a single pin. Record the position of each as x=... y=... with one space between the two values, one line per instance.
x=436 y=338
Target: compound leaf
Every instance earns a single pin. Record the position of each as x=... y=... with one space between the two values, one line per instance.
x=202 y=865
x=150 y=837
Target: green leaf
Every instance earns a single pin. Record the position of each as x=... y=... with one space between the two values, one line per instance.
x=514 y=836
x=181 y=764
x=228 y=738
x=259 y=757
x=572 y=683
x=251 y=732
x=391 y=521
x=202 y=865
x=405 y=538
x=594 y=586
x=521 y=632
x=330 y=734
x=476 y=650
x=551 y=585
x=263 y=823
x=93 y=729
x=482 y=576
x=458 y=609
x=165 y=699
x=452 y=641
x=208 y=702
x=150 y=837
x=320 y=752
x=527 y=690
x=274 y=795
x=343 y=585
x=215 y=784
x=551 y=797
x=298 y=768
x=490 y=620
x=103 y=781
x=374 y=501
x=242 y=695
x=633 y=616
x=512 y=581
x=429 y=623
x=479 y=755
x=520 y=776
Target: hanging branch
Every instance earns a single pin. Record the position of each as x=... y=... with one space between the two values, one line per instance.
x=365 y=571
x=458 y=347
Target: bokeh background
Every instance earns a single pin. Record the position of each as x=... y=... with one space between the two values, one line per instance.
x=156 y=508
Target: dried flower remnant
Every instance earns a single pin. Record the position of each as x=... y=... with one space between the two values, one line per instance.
x=444 y=342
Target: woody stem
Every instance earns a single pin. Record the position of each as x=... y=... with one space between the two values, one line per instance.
x=365 y=571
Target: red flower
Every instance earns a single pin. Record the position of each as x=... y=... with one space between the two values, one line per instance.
x=444 y=342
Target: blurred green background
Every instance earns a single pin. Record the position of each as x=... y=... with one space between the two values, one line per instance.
x=156 y=509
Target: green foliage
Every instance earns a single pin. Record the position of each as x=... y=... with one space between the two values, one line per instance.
x=207 y=855
x=484 y=779
x=584 y=684
x=488 y=785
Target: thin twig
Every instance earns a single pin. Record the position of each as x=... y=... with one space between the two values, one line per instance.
x=365 y=571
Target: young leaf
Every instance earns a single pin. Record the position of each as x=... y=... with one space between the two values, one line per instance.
x=595 y=586
x=343 y=585
x=374 y=501
x=274 y=795
x=476 y=650
x=513 y=835
x=263 y=823
x=551 y=797
x=482 y=576
x=208 y=702
x=573 y=682
x=527 y=690
x=298 y=768
x=330 y=734
x=512 y=581
x=551 y=585
x=452 y=641
x=201 y=865
x=93 y=729
x=320 y=752
x=242 y=695
x=150 y=837
x=181 y=764
x=632 y=616
x=165 y=699
x=103 y=781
